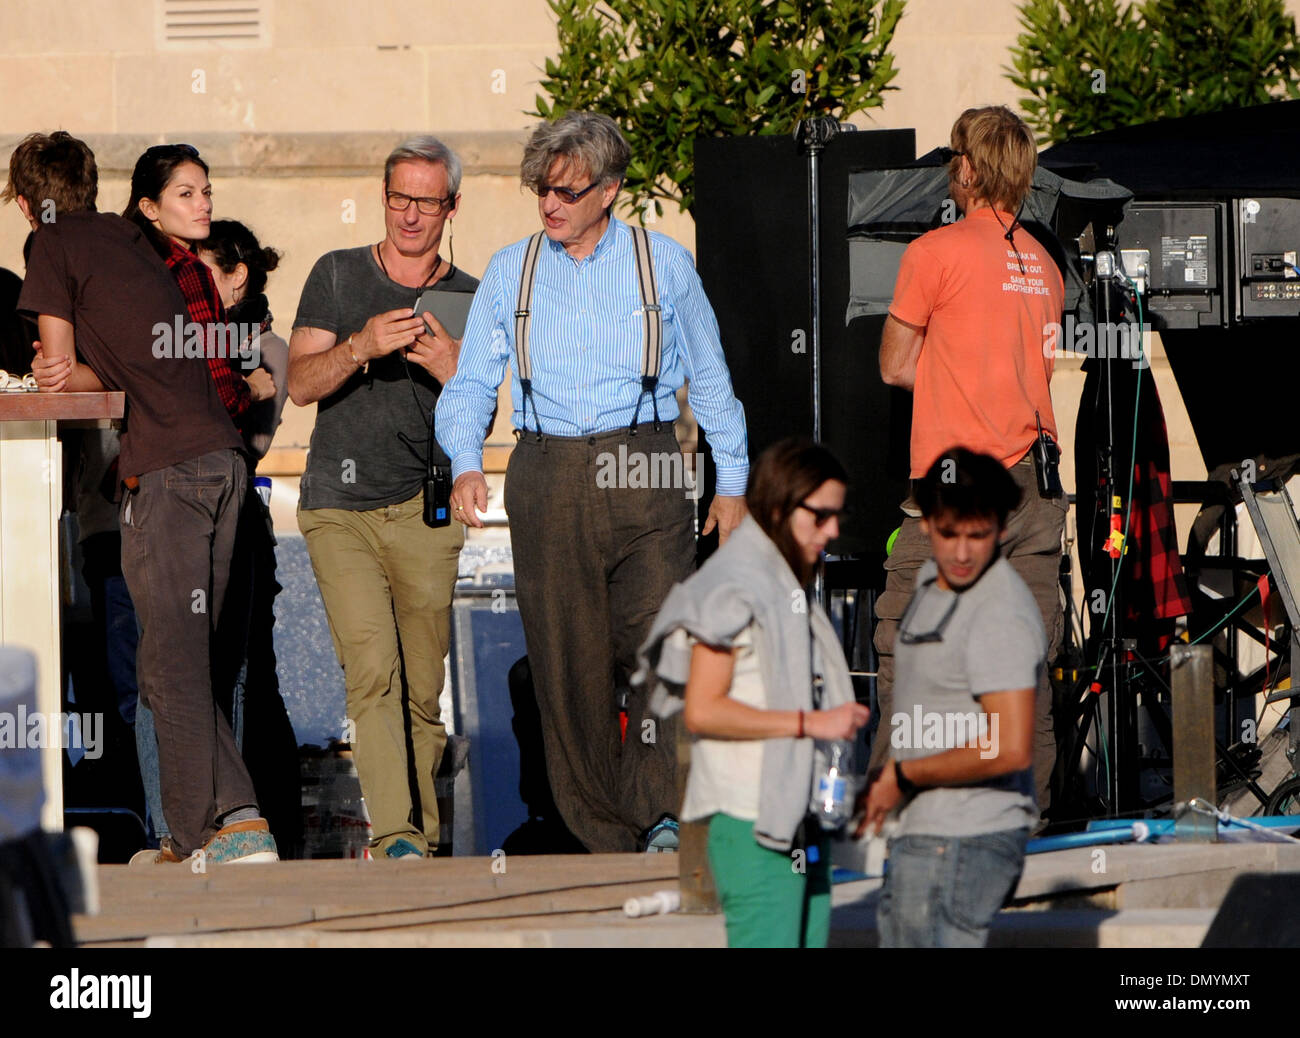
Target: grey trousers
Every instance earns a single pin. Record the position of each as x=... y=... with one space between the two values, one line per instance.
x=178 y=537
x=593 y=563
x=1033 y=547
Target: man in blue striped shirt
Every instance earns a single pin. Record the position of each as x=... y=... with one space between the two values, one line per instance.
x=596 y=543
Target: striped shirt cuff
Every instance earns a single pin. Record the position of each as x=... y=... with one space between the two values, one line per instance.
x=466 y=461
x=731 y=481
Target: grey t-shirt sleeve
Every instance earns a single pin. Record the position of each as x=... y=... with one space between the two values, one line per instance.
x=318 y=306
x=1005 y=649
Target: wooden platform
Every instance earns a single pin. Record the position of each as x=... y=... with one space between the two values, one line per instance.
x=435 y=902
x=1147 y=896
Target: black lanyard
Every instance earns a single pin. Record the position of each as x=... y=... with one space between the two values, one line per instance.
x=818 y=680
x=406 y=366
x=437 y=266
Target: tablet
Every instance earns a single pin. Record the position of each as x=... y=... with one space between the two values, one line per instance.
x=450 y=308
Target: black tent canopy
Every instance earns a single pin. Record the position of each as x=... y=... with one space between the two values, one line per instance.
x=1240 y=152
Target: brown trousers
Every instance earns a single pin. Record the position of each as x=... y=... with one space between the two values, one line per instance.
x=178 y=537
x=593 y=563
x=1033 y=547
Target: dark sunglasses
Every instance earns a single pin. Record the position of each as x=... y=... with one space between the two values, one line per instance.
x=822 y=516
x=907 y=637
x=566 y=195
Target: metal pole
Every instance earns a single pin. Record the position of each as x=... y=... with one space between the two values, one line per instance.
x=1192 y=668
x=815 y=269
x=813 y=134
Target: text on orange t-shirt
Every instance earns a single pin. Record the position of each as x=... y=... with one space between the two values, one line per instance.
x=983 y=370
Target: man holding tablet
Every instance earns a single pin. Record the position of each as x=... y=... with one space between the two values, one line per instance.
x=376 y=367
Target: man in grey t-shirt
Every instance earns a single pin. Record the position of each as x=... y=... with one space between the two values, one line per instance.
x=970 y=648
x=376 y=369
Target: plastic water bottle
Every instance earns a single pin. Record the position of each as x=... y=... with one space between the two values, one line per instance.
x=832 y=792
x=659 y=903
x=263 y=486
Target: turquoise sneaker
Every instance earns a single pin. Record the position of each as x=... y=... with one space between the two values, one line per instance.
x=663 y=836
x=402 y=849
x=243 y=843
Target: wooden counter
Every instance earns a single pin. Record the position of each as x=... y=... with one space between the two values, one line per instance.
x=31 y=501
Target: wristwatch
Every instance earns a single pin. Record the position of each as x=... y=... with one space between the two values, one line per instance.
x=905 y=785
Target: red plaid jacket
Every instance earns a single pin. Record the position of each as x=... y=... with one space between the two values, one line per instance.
x=203 y=303
x=1157 y=568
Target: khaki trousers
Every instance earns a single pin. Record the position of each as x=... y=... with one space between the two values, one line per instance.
x=387 y=582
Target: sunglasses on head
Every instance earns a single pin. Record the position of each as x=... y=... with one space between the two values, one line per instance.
x=188 y=150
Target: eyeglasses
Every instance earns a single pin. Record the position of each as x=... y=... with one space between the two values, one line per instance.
x=399 y=203
x=907 y=637
x=948 y=154
x=822 y=516
x=565 y=194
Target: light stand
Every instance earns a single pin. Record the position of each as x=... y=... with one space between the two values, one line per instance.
x=1113 y=649
x=811 y=135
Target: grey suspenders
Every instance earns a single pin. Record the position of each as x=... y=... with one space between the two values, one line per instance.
x=652 y=350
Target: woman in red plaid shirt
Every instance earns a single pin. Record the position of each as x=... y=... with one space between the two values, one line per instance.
x=171 y=200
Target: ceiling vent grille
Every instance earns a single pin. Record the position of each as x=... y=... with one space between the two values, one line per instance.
x=235 y=24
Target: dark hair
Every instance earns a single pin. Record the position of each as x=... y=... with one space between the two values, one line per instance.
x=54 y=167
x=786 y=473
x=231 y=243
x=153 y=172
x=967 y=485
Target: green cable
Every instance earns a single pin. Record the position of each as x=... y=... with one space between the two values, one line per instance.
x=1105 y=747
x=1228 y=616
x=1210 y=633
x=1128 y=510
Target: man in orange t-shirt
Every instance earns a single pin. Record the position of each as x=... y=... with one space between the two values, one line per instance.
x=974 y=306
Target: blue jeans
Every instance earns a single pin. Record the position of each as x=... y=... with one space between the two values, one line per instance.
x=120 y=637
x=112 y=605
x=146 y=749
x=943 y=891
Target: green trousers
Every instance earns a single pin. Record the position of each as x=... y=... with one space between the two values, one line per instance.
x=387 y=581
x=771 y=899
